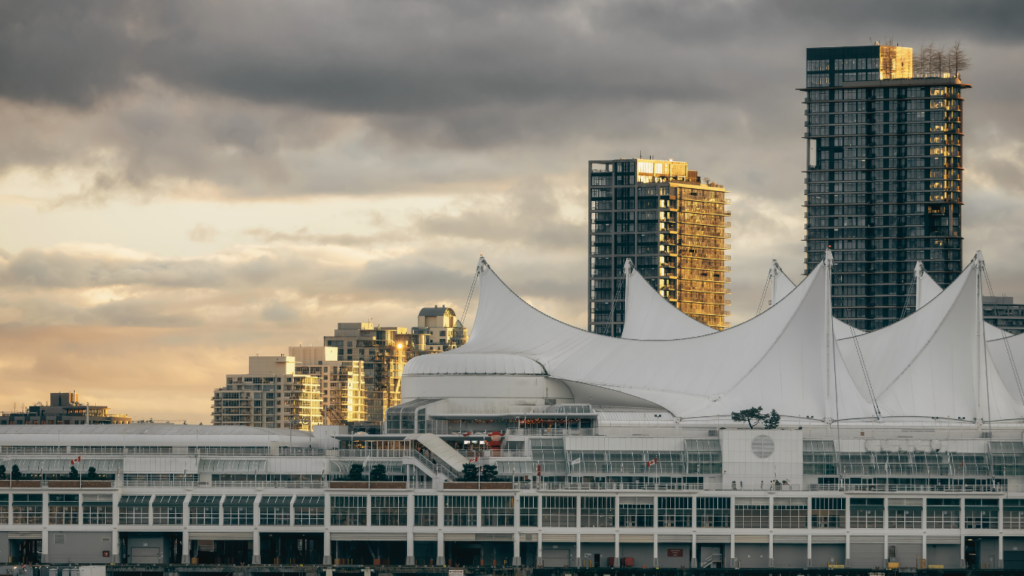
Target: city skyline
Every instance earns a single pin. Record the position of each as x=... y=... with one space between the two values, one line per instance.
x=170 y=211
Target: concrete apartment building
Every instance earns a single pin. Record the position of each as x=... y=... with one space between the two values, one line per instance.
x=671 y=224
x=342 y=382
x=384 y=352
x=270 y=395
x=442 y=327
x=1001 y=312
x=884 y=178
x=64 y=408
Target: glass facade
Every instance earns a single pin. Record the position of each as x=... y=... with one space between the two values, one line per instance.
x=884 y=178
x=671 y=224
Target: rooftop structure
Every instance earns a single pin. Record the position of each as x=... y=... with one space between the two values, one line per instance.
x=442 y=327
x=270 y=395
x=64 y=408
x=342 y=382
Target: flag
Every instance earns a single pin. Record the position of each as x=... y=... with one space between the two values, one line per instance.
x=477 y=459
x=652 y=462
x=538 y=470
x=574 y=462
x=464 y=434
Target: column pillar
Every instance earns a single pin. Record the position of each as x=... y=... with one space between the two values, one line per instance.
x=579 y=546
x=540 y=548
x=410 y=549
x=999 y=562
x=655 y=541
x=618 y=562
x=771 y=528
x=846 y=524
x=771 y=550
x=256 y=557
x=46 y=541
x=151 y=498
x=846 y=561
x=808 y=550
x=885 y=532
x=328 y=550
x=693 y=550
x=115 y=544
x=410 y=522
x=185 y=559
x=517 y=560
x=440 y=543
x=885 y=548
x=963 y=511
x=732 y=550
x=81 y=508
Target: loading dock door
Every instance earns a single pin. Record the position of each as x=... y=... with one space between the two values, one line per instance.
x=145 y=555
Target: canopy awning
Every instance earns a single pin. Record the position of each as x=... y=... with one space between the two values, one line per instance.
x=233 y=466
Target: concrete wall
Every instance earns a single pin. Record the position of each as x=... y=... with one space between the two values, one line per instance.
x=791 y=555
x=752 y=555
x=5 y=548
x=664 y=561
x=824 y=554
x=870 y=555
x=642 y=554
x=907 y=554
x=605 y=549
x=945 y=555
x=80 y=547
x=145 y=543
x=988 y=553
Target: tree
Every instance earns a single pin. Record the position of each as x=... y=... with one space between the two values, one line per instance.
x=3 y=472
x=74 y=475
x=15 y=472
x=958 y=59
x=355 y=472
x=772 y=421
x=489 y=473
x=91 y=474
x=752 y=416
x=378 y=473
x=469 y=473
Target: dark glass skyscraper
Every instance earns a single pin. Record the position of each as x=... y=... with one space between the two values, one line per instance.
x=884 y=177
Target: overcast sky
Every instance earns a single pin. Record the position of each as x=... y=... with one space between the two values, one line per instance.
x=185 y=184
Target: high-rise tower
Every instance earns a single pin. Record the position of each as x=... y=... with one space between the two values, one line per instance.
x=672 y=224
x=884 y=177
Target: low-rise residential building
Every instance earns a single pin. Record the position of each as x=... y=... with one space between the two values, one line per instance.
x=342 y=382
x=64 y=408
x=442 y=327
x=270 y=395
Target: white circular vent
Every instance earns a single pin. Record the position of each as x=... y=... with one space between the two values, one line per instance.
x=762 y=446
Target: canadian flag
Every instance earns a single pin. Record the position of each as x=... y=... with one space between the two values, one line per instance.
x=464 y=434
x=76 y=460
x=652 y=462
x=477 y=459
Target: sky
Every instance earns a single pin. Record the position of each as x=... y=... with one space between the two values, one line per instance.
x=185 y=184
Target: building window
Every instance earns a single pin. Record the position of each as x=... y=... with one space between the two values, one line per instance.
x=981 y=514
x=790 y=513
x=134 y=514
x=752 y=513
x=460 y=510
x=204 y=510
x=905 y=513
x=96 y=513
x=675 y=512
x=64 y=514
x=636 y=512
x=28 y=508
x=527 y=510
x=713 y=512
x=1013 y=514
x=309 y=511
x=597 y=512
x=867 y=513
x=348 y=510
x=425 y=510
x=390 y=511
x=238 y=510
x=275 y=511
x=944 y=513
x=559 y=512
x=497 y=511
x=828 y=512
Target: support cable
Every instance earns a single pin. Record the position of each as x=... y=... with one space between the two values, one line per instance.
x=1006 y=342
x=867 y=377
x=481 y=265
x=765 y=290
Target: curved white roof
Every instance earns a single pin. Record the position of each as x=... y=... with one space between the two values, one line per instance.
x=651 y=317
x=487 y=364
x=928 y=289
x=781 y=285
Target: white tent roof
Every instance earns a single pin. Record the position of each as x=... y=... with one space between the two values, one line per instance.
x=928 y=289
x=934 y=362
x=651 y=317
x=780 y=359
x=781 y=285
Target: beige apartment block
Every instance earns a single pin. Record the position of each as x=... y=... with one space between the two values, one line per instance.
x=442 y=327
x=270 y=395
x=342 y=382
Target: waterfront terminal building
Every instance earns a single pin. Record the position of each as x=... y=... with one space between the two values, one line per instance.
x=901 y=446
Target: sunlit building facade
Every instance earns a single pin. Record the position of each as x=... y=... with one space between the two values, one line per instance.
x=884 y=177
x=672 y=224
x=270 y=395
x=342 y=382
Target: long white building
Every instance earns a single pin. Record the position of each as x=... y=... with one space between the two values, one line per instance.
x=900 y=446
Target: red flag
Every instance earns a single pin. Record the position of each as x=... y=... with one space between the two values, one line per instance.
x=464 y=434
x=652 y=462
x=538 y=470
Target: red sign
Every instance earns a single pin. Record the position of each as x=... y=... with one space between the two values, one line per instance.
x=675 y=552
x=106 y=553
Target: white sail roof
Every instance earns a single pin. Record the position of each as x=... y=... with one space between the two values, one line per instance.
x=934 y=362
x=650 y=317
x=781 y=285
x=927 y=289
x=1008 y=359
x=780 y=359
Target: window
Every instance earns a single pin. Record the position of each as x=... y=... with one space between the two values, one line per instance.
x=981 y=514
x=675 y=512
x=790 y=513
x=1013 y=514
x=389 y=511
x=905 y=513
x=460 y=511
x=238 y=510
x=866 y=513
x=497 y=511
x=828 y=512
x=712 y=512
x=28 y=508
x=425 y=510
x=944 y=513
x=275 y=510
x=309 y=511
x=527 y=510
x=752 y=513
x=63 y=509
x=597 y=512
x=204 y=510
x=134 y=509
x=636 y=512
x=559 y=511
x=168 y=509
x=348 y=510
